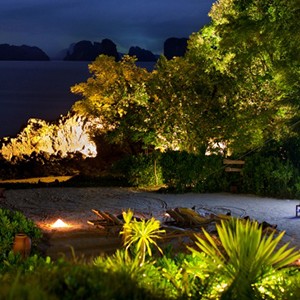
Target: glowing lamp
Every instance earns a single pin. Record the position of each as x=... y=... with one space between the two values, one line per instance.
x=59 y=224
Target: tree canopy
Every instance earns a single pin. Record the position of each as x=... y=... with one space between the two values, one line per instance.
x=238 y=83
x=116 y=92
x=249 y=55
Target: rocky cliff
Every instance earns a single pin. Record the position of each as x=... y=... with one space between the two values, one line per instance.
x=88 y=51
x=70 y=135
x=11 y=52
x=142 y=54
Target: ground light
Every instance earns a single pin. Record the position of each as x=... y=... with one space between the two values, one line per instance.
x=59 y=224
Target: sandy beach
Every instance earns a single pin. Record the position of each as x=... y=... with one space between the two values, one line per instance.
x=74 y=206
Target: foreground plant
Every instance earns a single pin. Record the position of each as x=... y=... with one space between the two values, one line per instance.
x=246 y=257
x=11 y=223
x=141 y=235
x=133 y=280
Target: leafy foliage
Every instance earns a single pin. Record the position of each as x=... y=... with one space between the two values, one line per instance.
x=248 y=262
x=188 y=275
x=246 y=257
x=238 y=84
x=243 y=55
x=183 y=171
x=270 y=176
x=141 y=170
x=141 y=235
x=179 y=170
x=11 y=223
x=117 y=94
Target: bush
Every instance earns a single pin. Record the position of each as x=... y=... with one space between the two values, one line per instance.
x=180 y=171
x=270 y=176
x=213 y=270
x=141 y=170
x=78 y=280
x=184 y=171
x=11 y=223
x=244 y=257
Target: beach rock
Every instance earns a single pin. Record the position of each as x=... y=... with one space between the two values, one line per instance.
x=24 y=52
x=88 y=51
x=70 y=135
x=175 y=47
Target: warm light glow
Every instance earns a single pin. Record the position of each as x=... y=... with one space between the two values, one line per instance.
x=59 y=224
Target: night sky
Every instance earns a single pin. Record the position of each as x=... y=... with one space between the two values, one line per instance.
x=53 y=25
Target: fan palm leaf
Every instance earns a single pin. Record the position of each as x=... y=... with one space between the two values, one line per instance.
x=142 y=235
x=246 y=255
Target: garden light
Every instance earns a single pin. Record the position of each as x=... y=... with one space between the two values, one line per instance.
x=59 y=224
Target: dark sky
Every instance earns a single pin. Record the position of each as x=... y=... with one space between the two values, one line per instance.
x=53 y=25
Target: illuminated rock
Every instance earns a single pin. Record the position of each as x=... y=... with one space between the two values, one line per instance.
x=71 y=134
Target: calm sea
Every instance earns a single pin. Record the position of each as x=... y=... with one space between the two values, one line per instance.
x=37 y=90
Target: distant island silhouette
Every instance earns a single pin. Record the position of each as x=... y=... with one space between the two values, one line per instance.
x=88 y=51
x=24 y=52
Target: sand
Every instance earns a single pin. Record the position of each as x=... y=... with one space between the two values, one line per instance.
x=74 y=206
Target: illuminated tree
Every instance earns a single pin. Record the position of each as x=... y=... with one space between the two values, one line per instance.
x=237 y=84
x=116 y=92
x=174 y=107
x=250 y=56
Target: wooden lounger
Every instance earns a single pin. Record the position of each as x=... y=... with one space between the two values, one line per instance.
x=107 y=221
x=187 y=217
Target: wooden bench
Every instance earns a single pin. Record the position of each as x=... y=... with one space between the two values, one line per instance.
x=234 y=166
x=228 y=162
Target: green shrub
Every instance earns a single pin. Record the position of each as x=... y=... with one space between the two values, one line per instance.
x=281 y=284
x=184 y=171
x=22 y=287
x=11 y=223
x=108 y=278
x=245 y=264
x=132 y=280
x=187 y=276
x=180 y=171
x=141 y=170
x=270 y=176
x=245 y=257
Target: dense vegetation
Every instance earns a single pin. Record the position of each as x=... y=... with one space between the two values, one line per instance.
x=241 y=263
x=238 y=84
x=235 y=93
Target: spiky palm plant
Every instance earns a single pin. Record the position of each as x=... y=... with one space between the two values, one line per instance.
x=246 y=255
x=141 y=235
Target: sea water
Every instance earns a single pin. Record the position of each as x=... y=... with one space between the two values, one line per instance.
x=39 y=89
x=36 y=89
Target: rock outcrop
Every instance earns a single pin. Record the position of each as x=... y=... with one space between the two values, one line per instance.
x=175 y=47
x=70 y=135
x=142 y=54
x=88 y=51
x=24 y=52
